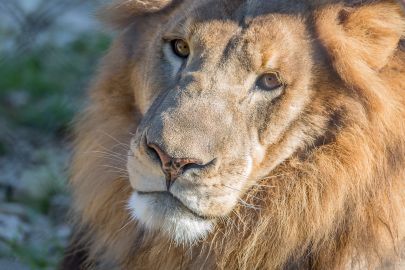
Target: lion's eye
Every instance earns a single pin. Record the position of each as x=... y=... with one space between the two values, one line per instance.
x=180 y=48
x=270 y=81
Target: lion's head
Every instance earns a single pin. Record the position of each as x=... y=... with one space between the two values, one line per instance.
x=267 y=131
x=223 y=102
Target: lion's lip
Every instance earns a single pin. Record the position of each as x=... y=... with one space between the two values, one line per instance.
x=166 y=193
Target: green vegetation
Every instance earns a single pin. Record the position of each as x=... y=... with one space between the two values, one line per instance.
x=47 y=82
x=41 y=89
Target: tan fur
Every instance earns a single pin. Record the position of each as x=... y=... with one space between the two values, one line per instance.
x=338 y=202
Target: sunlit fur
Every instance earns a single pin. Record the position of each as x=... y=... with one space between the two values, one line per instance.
x=337 y=202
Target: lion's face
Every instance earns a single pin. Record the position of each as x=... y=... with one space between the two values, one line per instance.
x=262 y=134
x=220 y=95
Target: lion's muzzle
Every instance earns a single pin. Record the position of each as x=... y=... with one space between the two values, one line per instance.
x=174 y=167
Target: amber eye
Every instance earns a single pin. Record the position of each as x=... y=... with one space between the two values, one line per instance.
x=180 y=48
x=270 y=81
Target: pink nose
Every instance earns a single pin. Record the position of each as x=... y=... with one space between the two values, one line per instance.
x=172 y=167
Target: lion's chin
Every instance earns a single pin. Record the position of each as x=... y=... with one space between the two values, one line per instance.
x=160 y=211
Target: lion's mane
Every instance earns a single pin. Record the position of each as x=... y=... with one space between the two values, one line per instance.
x=337 y=203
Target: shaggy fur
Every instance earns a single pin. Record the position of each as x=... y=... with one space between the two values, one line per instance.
x=338 y=202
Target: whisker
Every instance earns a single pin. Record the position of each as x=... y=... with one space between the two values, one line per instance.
x=232 y=188
x=114 y=167
x=248 y=194
x=126 y=146
x=109 y=155
x=130 y=220
x=233 y=224
x=240 y=218
x=266 y=186
x=112 y=151
x=120 y=175
x=124 y=152
x=272 y=176
x=249 y=205
x=121 y=172
x=125 y=225
x=108 y=151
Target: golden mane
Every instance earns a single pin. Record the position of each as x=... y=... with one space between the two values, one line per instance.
x=336 y=204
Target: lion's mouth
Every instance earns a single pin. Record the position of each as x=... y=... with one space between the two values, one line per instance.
x=161 y=211
x=170 y=197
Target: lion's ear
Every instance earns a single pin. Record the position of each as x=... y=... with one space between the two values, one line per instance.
x=121 y=13
x=360 y=40
x=370 y=32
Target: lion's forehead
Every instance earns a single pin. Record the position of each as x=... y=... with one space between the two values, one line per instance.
x=253 y=42
x=261 y=30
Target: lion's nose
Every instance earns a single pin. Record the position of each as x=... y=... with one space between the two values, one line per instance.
x=173 y=167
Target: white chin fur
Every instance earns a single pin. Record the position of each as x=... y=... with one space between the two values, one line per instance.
x=161 y=211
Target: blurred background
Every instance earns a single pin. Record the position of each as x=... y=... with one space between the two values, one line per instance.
x=48 y=51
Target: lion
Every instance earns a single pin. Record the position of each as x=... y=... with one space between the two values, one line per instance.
x=241 y=134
